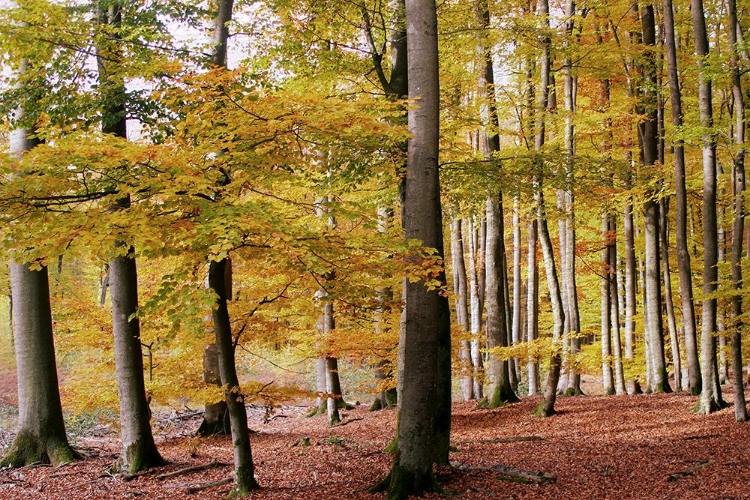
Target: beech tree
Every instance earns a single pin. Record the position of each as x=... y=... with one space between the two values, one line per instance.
x=41 y=433
x=424 y=348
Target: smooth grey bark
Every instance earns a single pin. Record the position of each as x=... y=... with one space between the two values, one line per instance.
x=138 y=449
x=547 y=407
x=740 y=405
x=532 y=306
x=668 y=303
x=424 y=348
x=516 y=330
x=496 y=285
x=608 y=380
x=460 y=292
x=41 y=430
x=648 y=131
x=710 y=399
x=244 y=471
x=632 y=385
x=683 y=253
x=500 y=391
x=475 y=298
x=572 y=316
x=615 y=309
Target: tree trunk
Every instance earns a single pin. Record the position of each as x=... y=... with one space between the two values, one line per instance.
x=630 y=295
x=740 y=406
x=138 y=447
x=547 y=407
x=615 y=309
x=532 y=306
x=424 y=349
x=244 y=474
x=649 y=144
x=668 y=303
x=710 y=399
x=608 y=381
x=475 y=291
x=41 y=430
x=500 y=391
x=460 y=291
x=683 y=253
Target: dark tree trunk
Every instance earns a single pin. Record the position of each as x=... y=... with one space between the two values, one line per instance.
x=244 y=477
x=740 y=406
x=424 y=350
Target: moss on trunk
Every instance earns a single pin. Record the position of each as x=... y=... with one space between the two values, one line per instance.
x=28 y=448
x=244 y=482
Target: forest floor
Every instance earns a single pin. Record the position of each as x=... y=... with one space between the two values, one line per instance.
x=643 y=447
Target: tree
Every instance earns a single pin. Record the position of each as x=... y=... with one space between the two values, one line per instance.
x=424 y=348
x=138 y=447
x=683 y=254
x=710 y=399
x=649 y=154
x=41 y=430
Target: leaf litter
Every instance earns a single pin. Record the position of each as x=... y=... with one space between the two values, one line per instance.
x=624 y=447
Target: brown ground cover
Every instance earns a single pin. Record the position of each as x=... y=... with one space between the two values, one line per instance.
x=644 y=447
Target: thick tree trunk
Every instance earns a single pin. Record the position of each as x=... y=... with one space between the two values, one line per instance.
x=710 y=399
x=424 y=349
x=244 y=473
x=460 y=291
x=41 y=430
x=683 y=254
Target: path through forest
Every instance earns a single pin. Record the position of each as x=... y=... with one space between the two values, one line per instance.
x=597 y=447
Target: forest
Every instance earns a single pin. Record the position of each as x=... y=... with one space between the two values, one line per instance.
x=427 y=247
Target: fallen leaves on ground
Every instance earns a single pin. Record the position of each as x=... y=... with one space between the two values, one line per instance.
x=640 y=447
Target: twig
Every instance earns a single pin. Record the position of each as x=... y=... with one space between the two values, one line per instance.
x=349 y=421
x=204 y=486
x=512 y=473
x=510 y=439
x=194 y=468
x=680 y=474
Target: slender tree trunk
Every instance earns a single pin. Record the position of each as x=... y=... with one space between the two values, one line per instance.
x=649 y=143
x=710 y=399
x=496 y=285
x=138 y=447
x=608 y=381
x=669 y=305
x=424 y=348
x=547 y=407
x=740 y=406
x=244 y=472
x=532 y=306
x=516 y=330
x=615 y=309
x=630 y=295
x=460 y=291
x=476 y=308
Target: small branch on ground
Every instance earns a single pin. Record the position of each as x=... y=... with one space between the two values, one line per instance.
x=512 y=473
x=510 y=439
x=194 y=468
x=195 y=488
x=680 y=474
